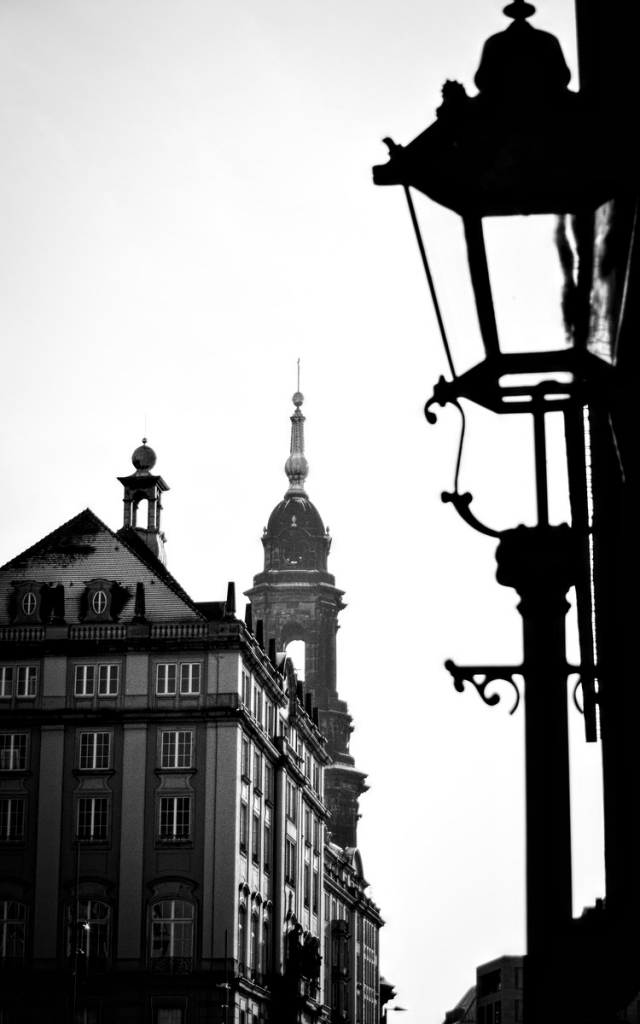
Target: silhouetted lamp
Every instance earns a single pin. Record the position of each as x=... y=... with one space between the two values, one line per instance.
x=518 y=164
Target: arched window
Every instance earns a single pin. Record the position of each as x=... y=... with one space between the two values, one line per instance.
x=99 y=602
x=296 y=650
x=241 y=937
x=13 y=924
x=266 y=948
x=172 y=936
x=255 y=943
x=89 y=933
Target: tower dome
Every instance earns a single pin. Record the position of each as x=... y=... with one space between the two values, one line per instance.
x=144 y=458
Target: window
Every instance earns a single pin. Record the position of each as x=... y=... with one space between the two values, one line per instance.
x=266 y=947
x=108 y=680
x=268 y=717
x=190 y=677
x=241 y=931
x=257 y=770
x=244 y=820
x=94 y=750
x=518 y=977
x=11 y=818
x=13 y=923
x=166 y=676
x=307 y=877
x=255 y=839
x=177 y=749
x=92 y=818
x=497 y=1012
x=99 y=602
x=175 y=818
x=106 y=675
x=316 y=883
x=291 y=801
x=316 y=777
x=246 y=752
x=267 y=839
x=307 y=825
x=257 y=704
x=90 y=931
x=27 y=680
x=13 y=751
x=268 y=783
x=316 y=834
x=6 y=681
x=29 y=603
x=246 y=689
x=518 y=1009
x=172 y=929
x=290 y=861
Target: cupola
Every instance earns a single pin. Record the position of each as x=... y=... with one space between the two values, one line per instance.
x=143 y=485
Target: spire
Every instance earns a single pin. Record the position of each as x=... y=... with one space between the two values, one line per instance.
x=296 y=467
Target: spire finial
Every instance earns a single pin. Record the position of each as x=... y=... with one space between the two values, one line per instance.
x=296 y=466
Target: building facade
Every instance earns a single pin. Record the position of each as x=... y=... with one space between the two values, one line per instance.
x=163 y=847
x=161 y=793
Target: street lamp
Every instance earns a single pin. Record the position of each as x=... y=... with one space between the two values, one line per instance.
x=517 y=162
x=392 y=1009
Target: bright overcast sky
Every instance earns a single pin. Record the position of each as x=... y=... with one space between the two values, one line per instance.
x=187 y=208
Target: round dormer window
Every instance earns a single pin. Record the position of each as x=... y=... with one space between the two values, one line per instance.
x=29 y=603
x=99 y=602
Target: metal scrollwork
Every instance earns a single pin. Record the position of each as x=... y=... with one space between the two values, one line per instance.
x=489 y=674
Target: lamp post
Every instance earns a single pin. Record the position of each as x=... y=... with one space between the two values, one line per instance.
x=514 y=162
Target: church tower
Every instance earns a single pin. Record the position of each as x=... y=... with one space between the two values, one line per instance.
x=296 y=599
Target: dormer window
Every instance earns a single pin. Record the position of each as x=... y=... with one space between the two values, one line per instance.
x=29 y=603
x=102 y=601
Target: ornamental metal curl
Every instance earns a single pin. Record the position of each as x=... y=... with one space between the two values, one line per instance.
x=490 y=673
x=461 y=502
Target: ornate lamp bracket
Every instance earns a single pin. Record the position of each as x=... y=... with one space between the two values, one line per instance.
x=481 y=676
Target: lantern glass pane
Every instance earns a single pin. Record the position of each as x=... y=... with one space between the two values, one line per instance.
x=445 y=245
x=533 y=269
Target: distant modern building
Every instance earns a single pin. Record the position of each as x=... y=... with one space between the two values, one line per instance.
x=296 y=599
x=163 y=855
x=496 y=997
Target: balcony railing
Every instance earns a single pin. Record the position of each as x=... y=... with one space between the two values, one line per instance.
x=98 y=632
x=179 y=630
x=172 y=965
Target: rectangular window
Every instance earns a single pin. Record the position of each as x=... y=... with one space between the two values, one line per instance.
x=316 y=834
x=257 y=770
x=13 y=751
x=27 y=680
x=290 y=861
x=268 y=718
x=307 y=877
x=246 y=689
x=244 y=825
x=94 y=750
x=307 y=826
x=316 y=777
x=518 y=977
x=267 y=840
x=92 y=817
x=518 y=1009
x=255 y=840
x=85 y=680
x=177 y=749
x=246 y=754
x=257 y=704
x=6 y=681
x=291 y=802
x=166 y=676
x=175 y=817
x=190 y=677
x=169 y=1016
x=108 y=677
x=268 y=783
x=11 y=818
x=497 y=1013
x=316 y=884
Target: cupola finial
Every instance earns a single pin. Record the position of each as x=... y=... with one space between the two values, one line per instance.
x=296 y=467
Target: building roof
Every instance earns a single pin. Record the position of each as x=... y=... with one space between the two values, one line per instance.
x=84 y=548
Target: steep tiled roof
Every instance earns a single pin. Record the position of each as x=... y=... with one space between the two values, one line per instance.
x=84 y=549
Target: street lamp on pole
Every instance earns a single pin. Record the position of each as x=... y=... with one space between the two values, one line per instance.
x=520 y=151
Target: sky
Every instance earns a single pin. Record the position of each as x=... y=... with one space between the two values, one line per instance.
x=187 y=209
